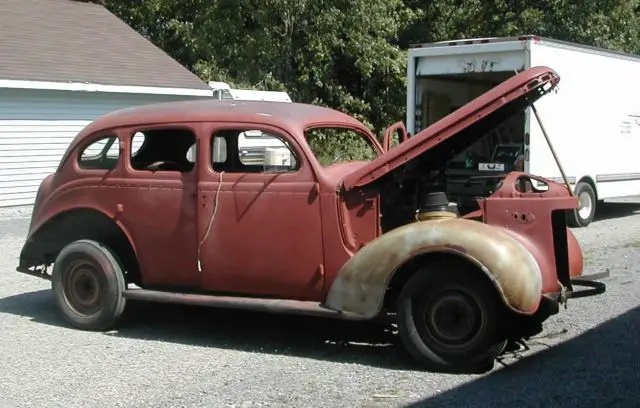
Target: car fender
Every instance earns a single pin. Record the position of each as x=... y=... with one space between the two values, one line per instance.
x=576 y=258
x=362 y=282
x=50 y=215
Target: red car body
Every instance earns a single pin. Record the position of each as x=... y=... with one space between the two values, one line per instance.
x=341 y=239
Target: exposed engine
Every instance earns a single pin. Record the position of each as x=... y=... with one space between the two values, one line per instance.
x=411 y=194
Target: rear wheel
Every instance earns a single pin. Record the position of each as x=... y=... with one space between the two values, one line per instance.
x=88 y=283
x=451 y=318
x=584 y=214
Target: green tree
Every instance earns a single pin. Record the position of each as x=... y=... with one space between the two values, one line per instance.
x=351 y=54
x=612 y=24
x=339 y=53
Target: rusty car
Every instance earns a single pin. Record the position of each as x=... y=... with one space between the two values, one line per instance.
x=155 y=203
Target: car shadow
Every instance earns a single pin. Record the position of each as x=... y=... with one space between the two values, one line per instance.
x=611 y=210
x=366 y=343
x=599 y=368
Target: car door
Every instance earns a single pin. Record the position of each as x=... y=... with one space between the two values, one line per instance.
x=158 y=202
x=259 y=223
x=388 y=135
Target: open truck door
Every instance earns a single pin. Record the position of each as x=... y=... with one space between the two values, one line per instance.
x=388 y=135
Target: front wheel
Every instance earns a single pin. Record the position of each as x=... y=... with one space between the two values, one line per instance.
x=451 y=318
x=88 y=283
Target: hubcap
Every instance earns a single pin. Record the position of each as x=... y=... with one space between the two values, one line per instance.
x=585 y=205
x=453 y=318
x=82 y=288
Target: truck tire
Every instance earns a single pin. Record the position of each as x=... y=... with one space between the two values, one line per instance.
x=582 y=217
x=451 y=319
x=88 y=284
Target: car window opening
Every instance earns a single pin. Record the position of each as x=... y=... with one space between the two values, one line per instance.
x=333 y=145
x=163 y=150
x=101 y=154
x=252 y=151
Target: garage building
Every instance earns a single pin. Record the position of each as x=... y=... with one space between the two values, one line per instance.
x=63 y=63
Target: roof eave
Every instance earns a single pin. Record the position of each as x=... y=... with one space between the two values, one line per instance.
x=90 y=87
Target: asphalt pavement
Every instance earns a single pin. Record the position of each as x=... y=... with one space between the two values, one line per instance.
x=173 y=356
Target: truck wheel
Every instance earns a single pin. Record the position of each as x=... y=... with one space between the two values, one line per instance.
x=88 y=284
x=582 y=216
x=451 y=318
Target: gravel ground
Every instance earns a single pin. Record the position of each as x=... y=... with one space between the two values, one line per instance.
x=196 y=357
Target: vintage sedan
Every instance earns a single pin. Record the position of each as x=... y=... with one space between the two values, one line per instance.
x=159 y=203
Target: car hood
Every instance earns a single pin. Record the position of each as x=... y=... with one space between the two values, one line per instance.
x=452 y=134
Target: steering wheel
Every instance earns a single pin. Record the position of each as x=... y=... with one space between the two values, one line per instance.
x=155 y=166
x=340 y=156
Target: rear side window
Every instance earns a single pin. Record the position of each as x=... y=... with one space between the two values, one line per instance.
x=163 y=149
x=101 y=154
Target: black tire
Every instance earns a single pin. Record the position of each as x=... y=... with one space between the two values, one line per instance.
x=88 y=283
x=587 y=195
x=465 y=288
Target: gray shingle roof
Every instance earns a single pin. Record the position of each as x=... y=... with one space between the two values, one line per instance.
x=72 y=41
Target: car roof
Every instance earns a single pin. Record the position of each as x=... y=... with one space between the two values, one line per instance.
x=290 y=116
x=286 y=115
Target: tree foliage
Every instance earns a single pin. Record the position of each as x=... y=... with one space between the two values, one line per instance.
x=351 y=54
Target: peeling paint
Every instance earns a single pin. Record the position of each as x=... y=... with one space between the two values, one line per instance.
x=506 y=261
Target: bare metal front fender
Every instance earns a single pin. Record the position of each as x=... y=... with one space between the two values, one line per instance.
x=362 y=282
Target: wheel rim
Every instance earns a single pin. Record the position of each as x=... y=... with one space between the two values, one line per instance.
x=453 y=318
x=586 y=205
x=83 y=288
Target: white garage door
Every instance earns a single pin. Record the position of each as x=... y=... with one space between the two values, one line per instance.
x=37 y=126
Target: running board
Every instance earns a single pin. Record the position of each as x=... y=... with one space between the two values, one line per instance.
x=281 y=306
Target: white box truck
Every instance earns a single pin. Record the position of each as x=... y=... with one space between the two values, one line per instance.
x=593 y=119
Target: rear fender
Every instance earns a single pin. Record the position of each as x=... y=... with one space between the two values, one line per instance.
x=58 y=229
x=363 y=281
